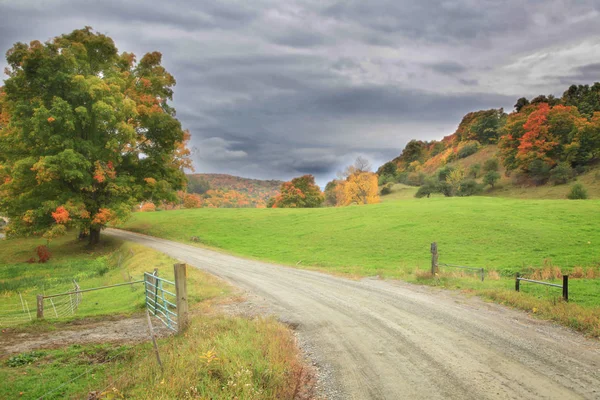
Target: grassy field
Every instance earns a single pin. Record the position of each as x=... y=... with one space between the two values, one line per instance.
x=392 y=238
x=218 y=357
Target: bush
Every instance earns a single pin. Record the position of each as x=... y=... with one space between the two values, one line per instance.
x=490 y=165
x=491 y=177
x=468 y=150
x=148 y=207
x=561 y=174
x=415 y=179
x=578 y=192
x=383 y=179
x=475 y=170
x=429 y=186
x=444 y=172
x=469 y=188
x=402 y=177
x=539 y=172
x=43 y=254
x=386 y=189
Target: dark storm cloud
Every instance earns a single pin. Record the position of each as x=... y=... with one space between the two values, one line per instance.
x=273 y=89
x=584 y=74
x=447 y=68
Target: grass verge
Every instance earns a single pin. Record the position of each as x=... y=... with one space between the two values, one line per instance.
x=217 y=358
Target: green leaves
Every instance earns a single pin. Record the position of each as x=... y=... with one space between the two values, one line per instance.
x=81 y=124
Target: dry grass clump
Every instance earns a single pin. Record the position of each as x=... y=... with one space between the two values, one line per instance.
x=547 y=273
x=493 y=275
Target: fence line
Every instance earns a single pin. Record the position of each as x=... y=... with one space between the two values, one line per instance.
x=564 y=286
x=435 y=265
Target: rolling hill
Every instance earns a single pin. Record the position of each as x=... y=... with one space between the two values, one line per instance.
x=228 y=191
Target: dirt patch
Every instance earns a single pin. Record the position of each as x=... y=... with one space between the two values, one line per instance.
x=124 y=330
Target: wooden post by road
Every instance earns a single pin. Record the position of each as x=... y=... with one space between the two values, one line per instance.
x=181 y=291
x=517 y=282
x=566 y=287
x=434 y=258
x=40 y=306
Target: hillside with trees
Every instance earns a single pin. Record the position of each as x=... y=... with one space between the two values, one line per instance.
x=228 y=191
x=546 y=141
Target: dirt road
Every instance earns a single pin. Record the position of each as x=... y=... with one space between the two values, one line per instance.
x=391 y=340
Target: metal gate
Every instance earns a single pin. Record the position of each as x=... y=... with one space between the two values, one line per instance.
x=161 y=299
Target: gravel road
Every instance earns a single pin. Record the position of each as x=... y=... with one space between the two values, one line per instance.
x=375 y=339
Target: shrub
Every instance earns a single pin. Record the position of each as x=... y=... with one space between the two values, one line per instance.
x=415 y=179
x=468 y=150
x=469 y=188
x=192 y=200
x=443 y=173
x=491 y=177
x=578 y=192
x=427 y=188
x=148 y=207
x=539 y=172
x=386 y=189
x=475 y=170
x=490 y=164
x=383 y=179
x=561 y=174
x=402 y=177
x=43 y=254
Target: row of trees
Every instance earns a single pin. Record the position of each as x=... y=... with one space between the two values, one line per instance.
x=355 y=185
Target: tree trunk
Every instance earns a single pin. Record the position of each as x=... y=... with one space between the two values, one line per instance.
x=94 y=236
x=83 y=235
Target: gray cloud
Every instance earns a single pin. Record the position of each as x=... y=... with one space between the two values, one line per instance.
x=273 y=89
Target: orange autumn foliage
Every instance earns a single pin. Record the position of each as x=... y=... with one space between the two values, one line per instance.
x=102 y=217
x=148 y=207
x=61 y=215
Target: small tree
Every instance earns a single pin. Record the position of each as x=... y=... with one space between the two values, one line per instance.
x=539 y=171
x=469 y=187
x=429 y=187
x=578 y=192
x=475 y=170
x=301 y=192
x=491 y=177
x=491 y=164
x=561 y=174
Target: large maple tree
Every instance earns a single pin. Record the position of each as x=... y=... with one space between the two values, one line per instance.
x=85 y=134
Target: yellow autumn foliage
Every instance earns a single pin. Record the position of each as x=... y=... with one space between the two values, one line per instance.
x=358 y=188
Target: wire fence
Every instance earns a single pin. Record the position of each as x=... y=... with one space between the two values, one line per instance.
x=15 y=313
x=21 y=312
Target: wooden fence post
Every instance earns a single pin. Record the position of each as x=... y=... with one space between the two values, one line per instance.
x=517 y=282
x=40 y=306
x=434 y=258
x=566 y=287
x=181 y=291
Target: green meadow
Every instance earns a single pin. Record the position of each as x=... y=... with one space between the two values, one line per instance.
x=391 y=238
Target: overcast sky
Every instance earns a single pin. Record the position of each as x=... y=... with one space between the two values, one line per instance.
x=275 y=89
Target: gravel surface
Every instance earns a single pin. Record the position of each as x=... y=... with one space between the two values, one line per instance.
x=374 y=339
